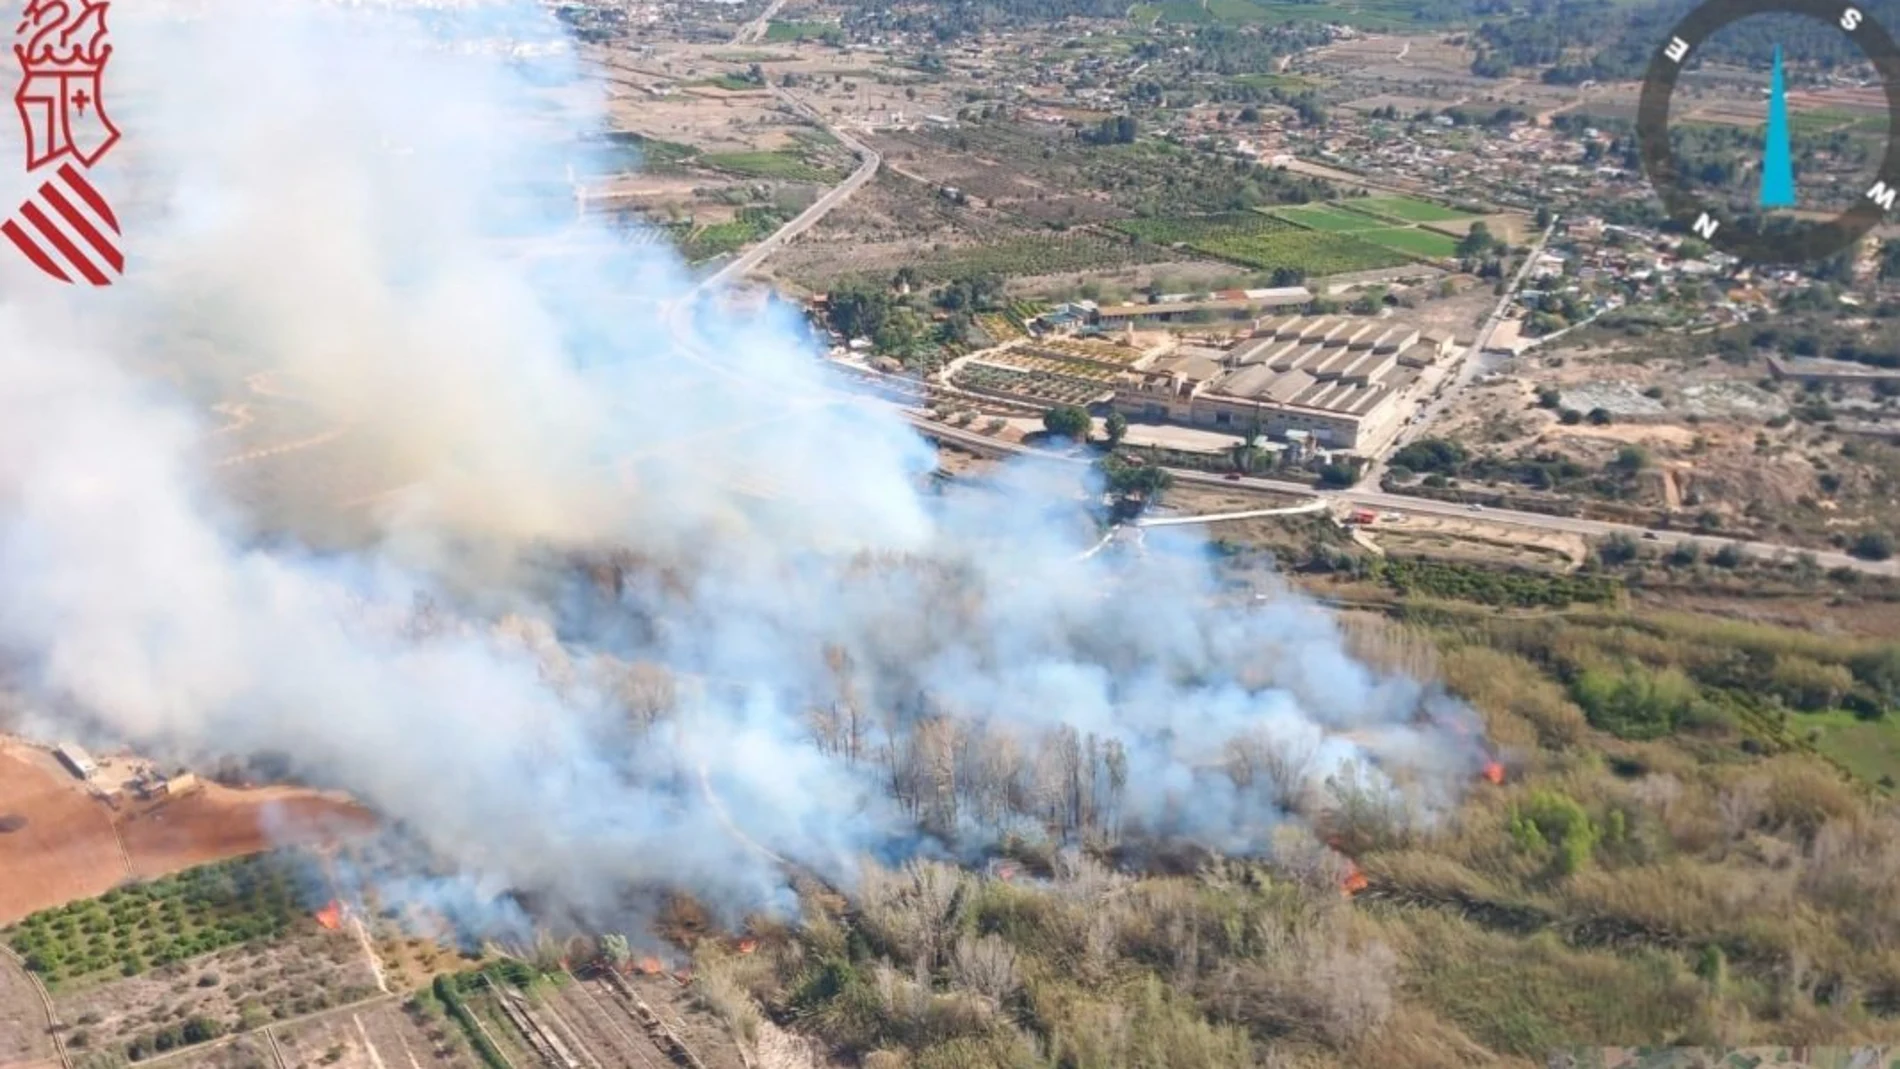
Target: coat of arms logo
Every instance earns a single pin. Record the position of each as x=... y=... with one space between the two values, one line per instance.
x=66 y=228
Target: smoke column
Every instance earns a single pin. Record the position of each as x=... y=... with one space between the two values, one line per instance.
x=851 y=666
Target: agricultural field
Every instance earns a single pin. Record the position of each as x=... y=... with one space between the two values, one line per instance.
x=1314 y=253
x=238 y=989
x=1429 y=244
x=1389 y=222
x=1017 y=257
x=1050 y=363
x=779 y=164
x=1190 y=229
x=381 y=1035
x=1324 y=217
x=718 y=239
x=1313 y=239
x=1040 y=386
x=1405 y=209
x=783 y=32
x=1378 y=15
x=142 y=926
x=1073 y=351
x=512 y=1016
x=56 y=843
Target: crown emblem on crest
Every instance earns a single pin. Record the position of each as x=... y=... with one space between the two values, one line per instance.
x=65 y=37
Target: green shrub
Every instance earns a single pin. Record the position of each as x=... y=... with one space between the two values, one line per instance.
x=1634 y=702
x=1552 y=821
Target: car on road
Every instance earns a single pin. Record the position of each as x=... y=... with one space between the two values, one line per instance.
x=1650 y=536
x=1475 y=507
x=1232 y=476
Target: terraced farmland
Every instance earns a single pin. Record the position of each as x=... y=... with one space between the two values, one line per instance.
x=1044 y=385
x=1076 y=351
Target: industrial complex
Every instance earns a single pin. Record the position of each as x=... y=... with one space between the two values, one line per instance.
x=1338 y=381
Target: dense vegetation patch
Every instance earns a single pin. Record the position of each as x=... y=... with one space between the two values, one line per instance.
x=147 y=925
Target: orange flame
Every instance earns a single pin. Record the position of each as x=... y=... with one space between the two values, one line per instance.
x=1354 y=882
x=1494 y=772
x=331 y=916
x=651 y=966
x=748 y=945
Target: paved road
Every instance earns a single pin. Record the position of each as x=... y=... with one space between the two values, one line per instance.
x=679 y=320
x=1400 y=503
x=1448 y=392
x=755 y=29
x=1318 y=504
x=808 y=218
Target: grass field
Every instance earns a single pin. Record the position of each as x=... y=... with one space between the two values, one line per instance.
x=1324 y=217
x=1406 y=209
x=1427 y=243
x=1869 y=748
x=1385 y=222
x=784 y=165
x=1374 y=15
x=800 y=31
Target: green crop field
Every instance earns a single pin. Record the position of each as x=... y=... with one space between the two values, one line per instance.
x=801 y=31
x=1017 y=257
x=1188 y=229
x=1313 y=252
x=1325 y=217
x=1385 y=222
x=1427 y=243
x=785 y=165
x=147 y=925
x=1405 y=209
x=1370 y=15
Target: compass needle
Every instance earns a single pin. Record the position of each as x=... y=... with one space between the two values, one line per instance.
x=1707 y=195
x=1777 y=162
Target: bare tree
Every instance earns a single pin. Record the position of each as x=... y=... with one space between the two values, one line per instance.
x=1282 y=767
x=986 y=965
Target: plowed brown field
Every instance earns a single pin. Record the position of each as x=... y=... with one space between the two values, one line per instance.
x=61 y=846
x=59 y=843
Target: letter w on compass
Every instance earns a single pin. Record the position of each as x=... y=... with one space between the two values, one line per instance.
x=63 y=53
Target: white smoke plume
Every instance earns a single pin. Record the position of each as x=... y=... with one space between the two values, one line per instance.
x=851 y=665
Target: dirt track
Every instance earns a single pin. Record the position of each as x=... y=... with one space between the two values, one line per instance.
x=23 y=1039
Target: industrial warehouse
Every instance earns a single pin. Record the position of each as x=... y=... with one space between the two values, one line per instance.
x=1339 y=381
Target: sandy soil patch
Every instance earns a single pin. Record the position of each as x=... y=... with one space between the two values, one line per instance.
x=23 y=1038
x=62 y=845
x=218 y=822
